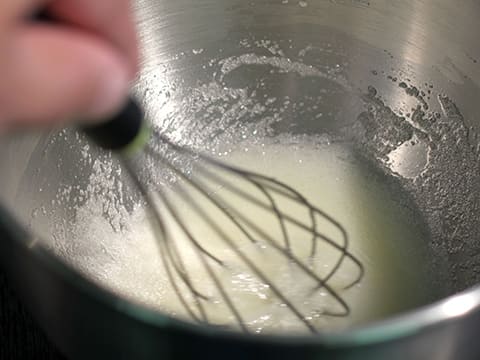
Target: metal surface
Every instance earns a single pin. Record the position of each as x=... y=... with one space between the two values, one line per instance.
x=389 y=73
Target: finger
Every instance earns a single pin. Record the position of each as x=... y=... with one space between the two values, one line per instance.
x=110 y=19
x=51 y=74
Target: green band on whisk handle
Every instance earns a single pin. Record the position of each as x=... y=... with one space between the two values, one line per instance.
x=125 y=131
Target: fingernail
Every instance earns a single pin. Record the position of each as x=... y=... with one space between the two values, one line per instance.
x=111 y=94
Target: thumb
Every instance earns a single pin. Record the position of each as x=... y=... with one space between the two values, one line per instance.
x=50 y=74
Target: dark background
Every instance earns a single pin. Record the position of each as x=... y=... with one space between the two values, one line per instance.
x=20 y=336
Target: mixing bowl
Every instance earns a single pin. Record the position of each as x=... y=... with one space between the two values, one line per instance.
x=396 y=80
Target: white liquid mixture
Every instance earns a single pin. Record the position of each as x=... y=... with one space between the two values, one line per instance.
x=381 y=234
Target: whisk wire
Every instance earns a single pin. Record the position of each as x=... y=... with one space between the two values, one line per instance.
x=201 y=255
x=270 y=189
x=343 y=249
x=234 y=216
x=157 y=222
x=245 y=259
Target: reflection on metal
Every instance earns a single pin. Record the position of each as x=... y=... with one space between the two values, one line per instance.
x=459 y=305
x=409 y=159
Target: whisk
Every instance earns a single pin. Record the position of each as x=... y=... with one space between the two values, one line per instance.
x=200 y=176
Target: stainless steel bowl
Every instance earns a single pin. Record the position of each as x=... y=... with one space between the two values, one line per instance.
x=385 y=70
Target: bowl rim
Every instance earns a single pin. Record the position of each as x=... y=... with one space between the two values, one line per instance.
x=406 y=324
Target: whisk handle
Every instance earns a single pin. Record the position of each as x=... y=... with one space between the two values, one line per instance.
x=121 y=131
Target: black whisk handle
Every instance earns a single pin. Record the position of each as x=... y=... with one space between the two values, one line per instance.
x=121 y=130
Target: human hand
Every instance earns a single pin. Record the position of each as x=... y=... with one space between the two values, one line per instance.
x=78 y=68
